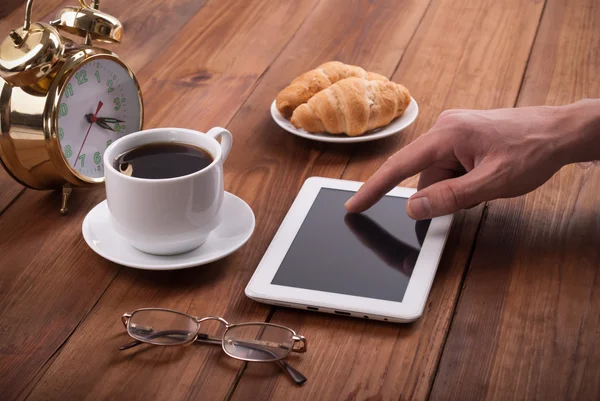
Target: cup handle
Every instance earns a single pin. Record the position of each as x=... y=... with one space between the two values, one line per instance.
x=226 y=139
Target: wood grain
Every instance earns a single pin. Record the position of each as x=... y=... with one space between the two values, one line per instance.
x=476 y=64
x=43 y=263
x=9 y=6
x=266 y=168
x=9 y=190
x=41 y=11
x=527 y=322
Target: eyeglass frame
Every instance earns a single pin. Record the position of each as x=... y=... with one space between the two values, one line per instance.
x=201 y=337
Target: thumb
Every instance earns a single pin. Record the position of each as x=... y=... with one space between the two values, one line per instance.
x=450 y=196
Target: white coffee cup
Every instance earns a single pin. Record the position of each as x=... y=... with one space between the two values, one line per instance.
x=172 y=215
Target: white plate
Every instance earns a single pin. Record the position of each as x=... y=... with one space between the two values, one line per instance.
x=397 y=125
x=236 y=228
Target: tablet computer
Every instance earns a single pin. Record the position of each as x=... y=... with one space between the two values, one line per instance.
x=379 y=264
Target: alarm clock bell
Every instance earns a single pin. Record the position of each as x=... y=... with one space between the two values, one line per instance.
x=38 y=65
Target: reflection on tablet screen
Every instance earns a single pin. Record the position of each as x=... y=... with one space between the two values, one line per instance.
x=369 y=255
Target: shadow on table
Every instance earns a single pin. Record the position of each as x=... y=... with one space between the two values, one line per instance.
x=195 y=277
x=510 y=231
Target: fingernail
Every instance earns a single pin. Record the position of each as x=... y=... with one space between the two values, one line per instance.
x=419 y=208
x=349 y=203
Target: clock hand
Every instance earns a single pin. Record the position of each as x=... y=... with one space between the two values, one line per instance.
x=88 y=117
x=102 y=121
x=104 y=125
x=110 y=120
x=92 y=121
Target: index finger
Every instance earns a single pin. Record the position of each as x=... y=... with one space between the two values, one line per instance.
x=408 y=161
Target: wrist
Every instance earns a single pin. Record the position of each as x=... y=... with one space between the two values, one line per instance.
x=578 y=131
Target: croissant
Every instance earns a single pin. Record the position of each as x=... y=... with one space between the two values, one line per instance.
x=306 y=85
x=352 y=106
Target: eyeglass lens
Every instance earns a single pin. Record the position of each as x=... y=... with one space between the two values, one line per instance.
x=258 y=342
x=162 y=327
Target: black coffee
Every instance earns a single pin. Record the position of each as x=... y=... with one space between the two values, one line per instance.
x=163 y=160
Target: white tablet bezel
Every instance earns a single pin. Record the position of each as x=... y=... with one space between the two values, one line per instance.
x=260 y=288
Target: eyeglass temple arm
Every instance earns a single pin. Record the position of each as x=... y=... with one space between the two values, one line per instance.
x=302 y=341
x=248 y=343
x=296 y=376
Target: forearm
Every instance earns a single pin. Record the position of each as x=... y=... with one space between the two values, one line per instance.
x=580 y=126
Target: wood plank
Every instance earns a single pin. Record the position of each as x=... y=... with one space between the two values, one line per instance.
x=41 y=11
x=8 y=6
x=9 y=190
x=526 y=326
x=478 y=62
x=266 y=168
x=47 y=285
x=49 y=279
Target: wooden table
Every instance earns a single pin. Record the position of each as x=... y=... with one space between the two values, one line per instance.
x=514 y=312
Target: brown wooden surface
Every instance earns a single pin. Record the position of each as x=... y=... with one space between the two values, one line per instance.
x=51 y=265
x=409 y=353
x=260 y=164
x=527 y=315
x=528 y=318
x=8 y=6
x=9 y=191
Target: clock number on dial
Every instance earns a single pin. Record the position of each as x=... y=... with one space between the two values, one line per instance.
x=119 y=127
x=64 y=110
x=82 y=141
x=81 y=77
x=69 y=90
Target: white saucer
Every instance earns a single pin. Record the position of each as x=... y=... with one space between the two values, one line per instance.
x=397 y=125
x=236 y=228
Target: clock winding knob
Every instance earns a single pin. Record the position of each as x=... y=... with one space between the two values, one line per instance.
x=89 y=22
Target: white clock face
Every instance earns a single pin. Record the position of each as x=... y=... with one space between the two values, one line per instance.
x=99 y=104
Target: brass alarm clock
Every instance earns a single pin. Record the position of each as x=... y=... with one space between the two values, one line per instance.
x=61 y=102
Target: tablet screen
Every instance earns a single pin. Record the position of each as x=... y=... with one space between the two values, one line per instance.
x=368 y=255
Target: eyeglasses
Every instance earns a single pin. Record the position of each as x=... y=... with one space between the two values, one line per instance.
x=251 y=342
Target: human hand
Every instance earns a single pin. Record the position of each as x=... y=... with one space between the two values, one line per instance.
x=473 y=156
